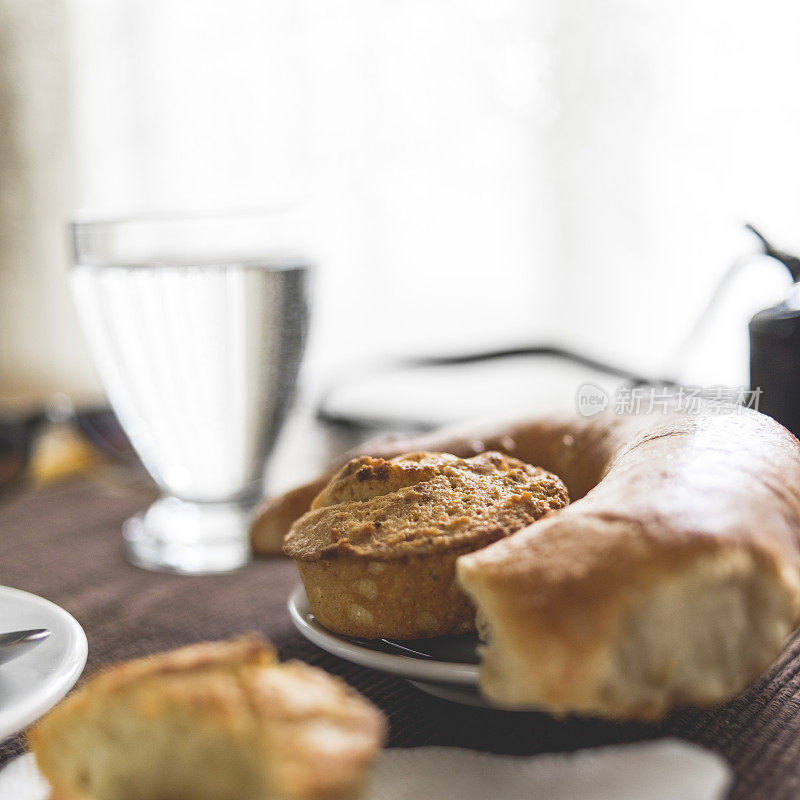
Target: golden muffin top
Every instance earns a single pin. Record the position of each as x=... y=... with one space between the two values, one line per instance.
x=420 y=502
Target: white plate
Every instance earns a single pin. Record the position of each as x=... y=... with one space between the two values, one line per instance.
x=21 y=780
x=449 y=660
x=663 y=769
x=34 y=682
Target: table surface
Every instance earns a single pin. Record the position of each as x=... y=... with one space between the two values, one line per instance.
x=63 y=543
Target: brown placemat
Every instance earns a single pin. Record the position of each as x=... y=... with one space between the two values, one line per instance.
x=64 y=543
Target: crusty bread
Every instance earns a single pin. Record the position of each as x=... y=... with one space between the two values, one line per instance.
x=673 y=578
x=212 y=721
x=674 y=581
x=377 y=550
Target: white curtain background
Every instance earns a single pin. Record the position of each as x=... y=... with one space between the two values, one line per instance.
x=481 y=172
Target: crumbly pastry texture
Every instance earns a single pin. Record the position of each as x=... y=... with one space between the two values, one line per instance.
x=212 y=721
x=377 y=550
x=420 y=503
x=672 y=578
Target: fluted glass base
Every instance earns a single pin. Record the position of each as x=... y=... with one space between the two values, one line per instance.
x=189 y=538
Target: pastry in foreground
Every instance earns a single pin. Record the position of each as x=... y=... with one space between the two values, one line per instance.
x=212 y=721
x=377 y=550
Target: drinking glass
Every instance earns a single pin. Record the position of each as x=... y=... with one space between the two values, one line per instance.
x=196 y=325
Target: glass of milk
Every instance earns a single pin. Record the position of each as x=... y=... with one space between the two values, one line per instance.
x=196 y=325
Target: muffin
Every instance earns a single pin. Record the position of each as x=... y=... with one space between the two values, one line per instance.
x=377 y=551
x=212 y=721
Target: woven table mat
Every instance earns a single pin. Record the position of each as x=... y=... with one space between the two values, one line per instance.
x=64 y=543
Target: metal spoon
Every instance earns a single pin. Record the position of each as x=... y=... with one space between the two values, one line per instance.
x=15 y=643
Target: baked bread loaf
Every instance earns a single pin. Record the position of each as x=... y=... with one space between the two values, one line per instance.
x=674 y=581
x=377 y=550
x=212 y=721
x=673 y=578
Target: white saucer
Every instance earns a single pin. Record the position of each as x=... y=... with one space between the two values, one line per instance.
x=34 y=682
x=21 y=780
x=448 y=660
x=445 y=667
x=662 y=769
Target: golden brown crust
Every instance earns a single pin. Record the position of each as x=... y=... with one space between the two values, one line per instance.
x=209 y=721
x=407 y=598
x=697 y=514
x=272 y=519
x=569 y=447
x=422 y=503
x=377 y=550
x=233 y=654
x=326 y=735
x=673 y=581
